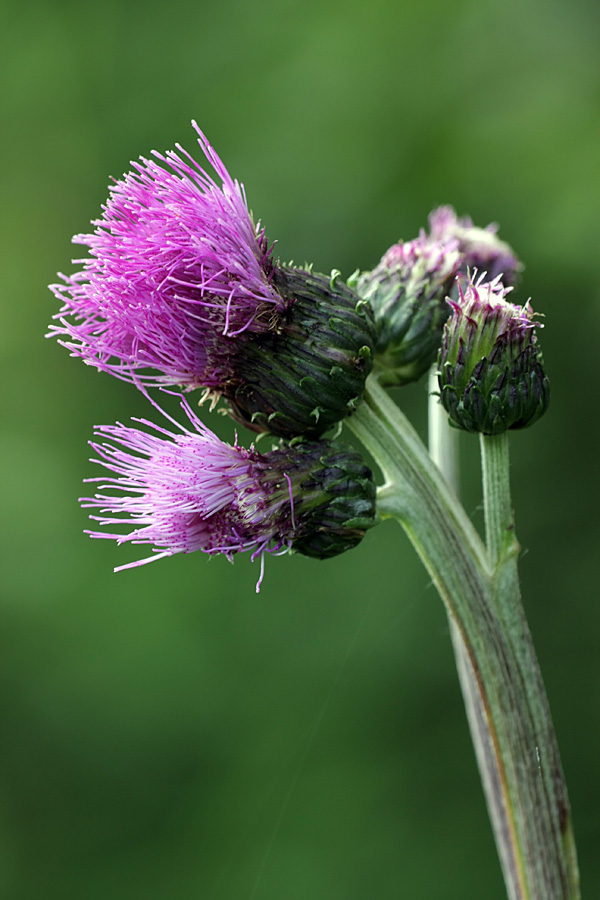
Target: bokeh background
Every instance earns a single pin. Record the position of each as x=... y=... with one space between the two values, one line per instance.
x=167 y=732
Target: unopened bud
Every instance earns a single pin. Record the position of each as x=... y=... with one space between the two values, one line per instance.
x=407 y=291
x=490 y=365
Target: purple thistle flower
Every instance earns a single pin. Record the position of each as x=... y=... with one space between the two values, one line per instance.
x=180 y=288
x=481 y=247
x=183 y=492
x=189 y=491
x=177 y=269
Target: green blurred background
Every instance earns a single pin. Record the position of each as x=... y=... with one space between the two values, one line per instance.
x=167 y=732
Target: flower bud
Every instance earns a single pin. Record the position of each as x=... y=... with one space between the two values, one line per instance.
x=407 y=292
x=310 y=373
x=481 y=248
x=490 y=365
x=189 y=491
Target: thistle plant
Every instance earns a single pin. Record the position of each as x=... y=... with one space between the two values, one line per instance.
x=182 y=288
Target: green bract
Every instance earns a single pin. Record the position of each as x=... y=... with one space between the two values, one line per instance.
x=407 y=290
x=333 y=496
x=309 y=373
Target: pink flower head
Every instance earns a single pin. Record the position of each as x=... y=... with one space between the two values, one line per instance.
x=481 y=247
x=421 y=259
x=189 y=491
x=177 y=270
x=185 y=491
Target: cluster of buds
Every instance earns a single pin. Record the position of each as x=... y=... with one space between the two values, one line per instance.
x=181 y=288
x=408 y=289
x=491 y=373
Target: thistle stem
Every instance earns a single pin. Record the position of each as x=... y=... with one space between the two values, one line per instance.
x=525 y=789
x=444 y=451
x=546 y=823
x=499 y=525
x=443 y=439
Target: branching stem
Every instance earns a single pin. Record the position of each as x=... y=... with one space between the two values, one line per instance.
x=523 y=779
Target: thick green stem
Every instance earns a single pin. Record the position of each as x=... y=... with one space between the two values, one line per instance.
x=444 y=451
x=550 y=824
x=526 y=782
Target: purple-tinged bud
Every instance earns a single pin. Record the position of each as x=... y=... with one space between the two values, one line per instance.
x=481 y=248
x=407 y=292
x=491 y=373
x=180 y=288
x=189 y=491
